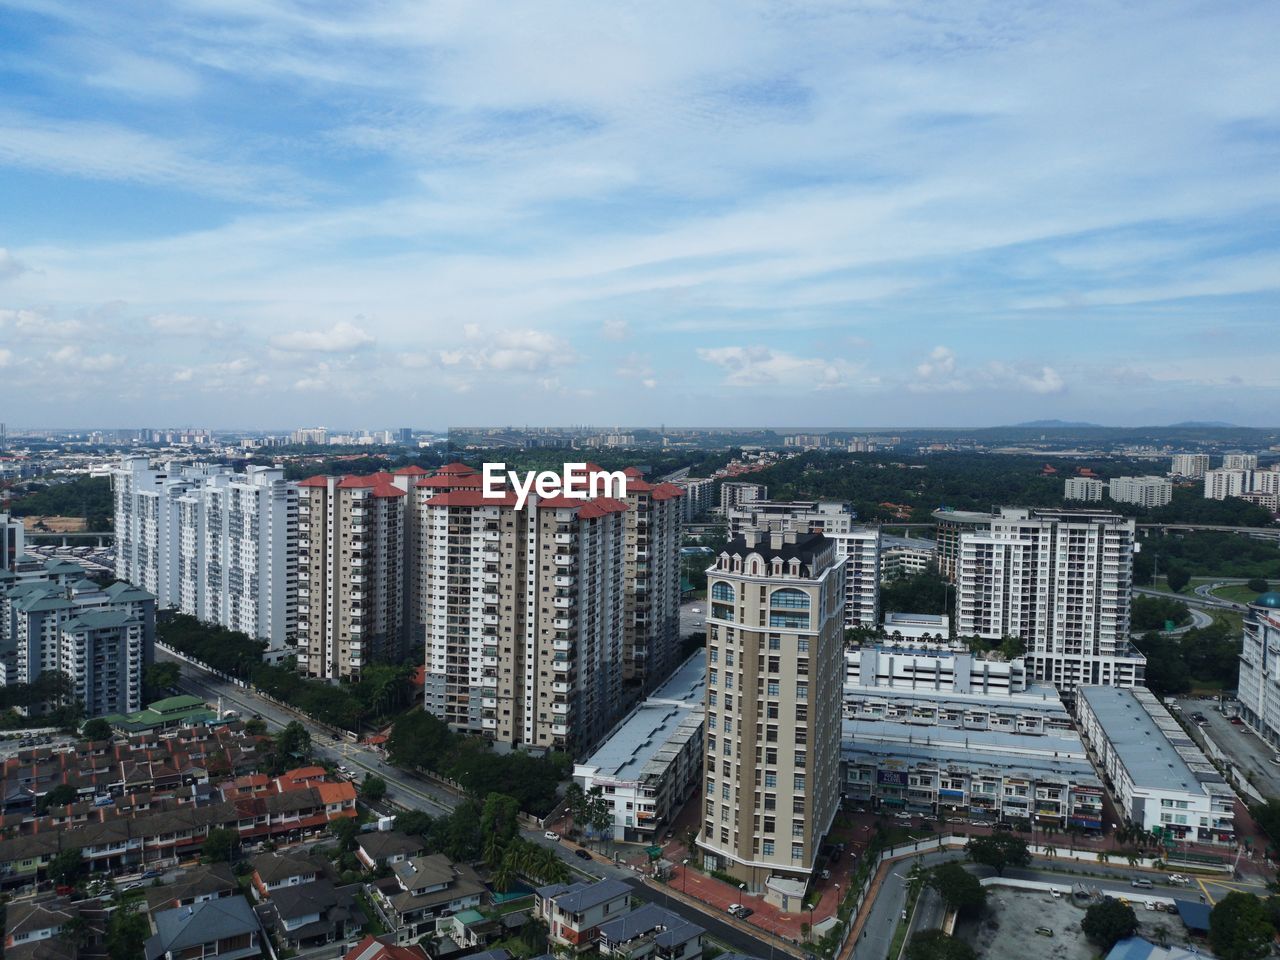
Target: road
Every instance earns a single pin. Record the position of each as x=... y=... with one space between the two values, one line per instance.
x=1192 y=600
x=1247 y=752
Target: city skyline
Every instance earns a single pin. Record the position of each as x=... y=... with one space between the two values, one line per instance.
x=771 y=215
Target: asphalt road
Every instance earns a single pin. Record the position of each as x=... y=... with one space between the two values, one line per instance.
x=1192 y=600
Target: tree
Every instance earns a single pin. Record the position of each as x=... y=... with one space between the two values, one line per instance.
x=1109 y=922
x=998 y=852
x=158 y=679
x=1177 y=577
x=59 y=796
x=1258 y=585
x=292 y=747
x=220 y=845
x=255 y=727
x=345 y=830
x=374 y=788
x=1239 y=928
x=499 y=825
x=960 y=890
x=937 y=945
x=575 y=802
x=67 y=867
x=96 y=729
x=127 y=931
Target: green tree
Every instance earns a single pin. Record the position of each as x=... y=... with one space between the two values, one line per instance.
x=127 y=930
x=998 y=851
x=345 y=830
x=68 y=867
x=1239 y=928
x=59 y=796
x=158 y=679
x=221 y=845
x=96 y=729
x=255 y=727
x=1258 y=585
x=374 y=788
x=499 y=825
x=292 y=747
x=937 y=945
x=1178 y=577
x=960 y=890
x=1109 y=922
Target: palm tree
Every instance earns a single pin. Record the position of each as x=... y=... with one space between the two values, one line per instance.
x=1049 y=849
x=1104 y=856
x=1133 y=857
x=504 y=873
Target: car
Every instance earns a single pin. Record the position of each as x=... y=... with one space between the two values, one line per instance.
x=904 y=914
x=1275 y=758
x=860 y=810
x=1178 y=878
x=956 y=820
x=826 y=874
x=1055 y=893
x=1237 y=721
x=733 y=908
x=982 y=823
x=136 y=885
x=151 y=875
x=582 y=854
x=64 y=889
x=1045 y=931
x=1140 y=883
x=902 y=816
x=745 y=912
x=552 y=835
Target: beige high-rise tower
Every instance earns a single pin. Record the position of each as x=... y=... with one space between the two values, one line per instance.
x=350 y=574
x=775 y=636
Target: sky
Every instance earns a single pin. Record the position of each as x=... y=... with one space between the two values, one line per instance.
x=273 y=213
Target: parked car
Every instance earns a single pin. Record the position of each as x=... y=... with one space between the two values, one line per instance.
x=151 y=874
x=582 y=854
x=733 y=909
x=956 y=820
x=744 y=912
x=552 y=835
x=1237 y=721
x=1055 y=893
x=982 y=823
x=901 y=816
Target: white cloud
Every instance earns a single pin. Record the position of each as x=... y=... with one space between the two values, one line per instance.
x=511 y=351
x=10 y=266
x=6 y=357
x=34 y=325
x=941 y=374
x=189 y=325
x=342 y=337
x=71 y=357
x=185 y=375
x=765 y=366
x=615 y=330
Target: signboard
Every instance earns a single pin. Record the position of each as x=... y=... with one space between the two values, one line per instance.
x=951 y=794
x=895 y=778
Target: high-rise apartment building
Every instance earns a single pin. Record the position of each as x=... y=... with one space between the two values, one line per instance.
x=774 y=676
x=1259 y=686
x=1189 y=465
x=803 y=516
x=1220 y=484
x=1060 y=581
x=1148 y=492
x=951 y=526
x=523 y=612
x=697 y=500
x=310 y=435
x=12 y=542
x=211 y=543
x=53 y=618
x=860 y=549
x=1082 y=488
x=351 y=580
x=1240 y=461
x=738 y=493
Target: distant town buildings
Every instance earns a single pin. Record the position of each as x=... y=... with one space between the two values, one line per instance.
x=1146 y=492
x=1060 y=581
x=698 y=500
x=811 y=516
x=1191 y=466
x=1160 y=778
x=1083 y=488
x=774 y=666
x=1240 y=461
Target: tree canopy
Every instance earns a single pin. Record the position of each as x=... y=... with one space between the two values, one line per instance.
x=999 y=851
x=960 y=890
x=1109 y=922
x=937 y=945
x=1240 y=928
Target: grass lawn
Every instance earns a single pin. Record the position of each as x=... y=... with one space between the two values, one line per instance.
x=1238 y=592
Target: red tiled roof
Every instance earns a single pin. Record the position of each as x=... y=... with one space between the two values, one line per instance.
x=633 y=472
x=453 y=481
x=317 y=481
x=373 y=948
x=601 y=506
x=667 y=491
x=455 y=469
x=413 y=470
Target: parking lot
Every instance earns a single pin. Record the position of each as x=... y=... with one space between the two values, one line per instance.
x=1249 y=753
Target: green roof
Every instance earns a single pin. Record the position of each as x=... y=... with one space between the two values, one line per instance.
x=171 y=710
x=468 y=917
x=183 y=701
x=101 y=619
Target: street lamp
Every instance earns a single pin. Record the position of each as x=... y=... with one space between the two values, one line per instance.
x=684 y=876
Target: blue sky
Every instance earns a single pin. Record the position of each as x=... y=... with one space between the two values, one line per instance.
x=264 y=213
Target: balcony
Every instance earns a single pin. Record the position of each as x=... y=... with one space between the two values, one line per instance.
x=561 y=708
x=564 y=560
x=565 y=538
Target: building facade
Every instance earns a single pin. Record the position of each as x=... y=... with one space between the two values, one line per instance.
x=774 y=666
x=1240 y=461
x=12 y=542
x=1160 y=779
x=698 y=499
x=523 y=612
x=951 y=526
x=739 y=493
x=350 y=574
x=1147 y=492
x=1061 y=582
x=906 y=557
x=1192 y=466
x=651 y=605
x=802 y=516
x=1220 y=484
x=1259 y=686
x=1082 y=488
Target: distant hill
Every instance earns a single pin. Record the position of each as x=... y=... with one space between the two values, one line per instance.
x=1055 y=424
x=1202 y=424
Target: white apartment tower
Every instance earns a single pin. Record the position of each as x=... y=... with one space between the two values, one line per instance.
x=523 y=612
x=1083 y=488
x=1220 y=484
x=350 y=574
x=1240 y=461
x=860 y=549
x=12 y=544
x=1148 y=492
x=697 y=499
x=773 y=700
x=1060 y=581
x=1189 y=465
x=737 y=493
x=211 y=543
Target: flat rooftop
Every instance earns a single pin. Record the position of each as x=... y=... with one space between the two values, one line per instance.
x=1146 y=739
x=1039 y=697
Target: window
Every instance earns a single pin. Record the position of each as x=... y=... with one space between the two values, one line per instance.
x=797 y=851
x=770 y=825
x=802 y=691
x=797 y=784
x=789 y=599
x=722 y=591
x=775 y=642
x=802 y=646
x=724 y=791
x=713 y=676
x=788 y=621
x=767 y=848
x=797 y=828
x=712 y=698
x=800 y=758
x=774 y=688
x=771 y=780
x=728 y=680
x=713 y=655
x=728 y=658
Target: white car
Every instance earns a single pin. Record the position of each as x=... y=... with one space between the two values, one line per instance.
x=1178 y=879
x=552 y=835
x=956 y=820
x=733 y=908
x=902 y=816
x=1056 y=894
